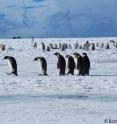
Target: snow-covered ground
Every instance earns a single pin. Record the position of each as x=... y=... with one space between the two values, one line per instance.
x=33 y=99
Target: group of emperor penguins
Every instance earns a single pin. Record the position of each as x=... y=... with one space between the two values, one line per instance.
x=78 y=62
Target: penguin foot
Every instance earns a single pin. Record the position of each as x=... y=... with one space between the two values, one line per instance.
x=9 y=73
x=69 y=74
x=42 y=74
x=12 y=74
x=39 y=74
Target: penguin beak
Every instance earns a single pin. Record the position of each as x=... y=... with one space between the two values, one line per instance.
x=56 y=53
x=3 y=58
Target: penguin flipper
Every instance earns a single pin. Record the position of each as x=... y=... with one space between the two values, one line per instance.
x=9 y=73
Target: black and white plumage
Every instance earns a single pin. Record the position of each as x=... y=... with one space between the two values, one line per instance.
x=42 y=64
x=79 y=63
x=12 y=65
x=70 y=65
x=86 y=62
x=61 y=64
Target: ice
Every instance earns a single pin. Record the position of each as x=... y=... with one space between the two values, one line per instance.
x=54 y=99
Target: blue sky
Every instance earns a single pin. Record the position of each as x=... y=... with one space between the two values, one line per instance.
x=58 y=18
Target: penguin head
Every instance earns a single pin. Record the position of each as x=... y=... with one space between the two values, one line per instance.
x=57 y=54
x=84 y=54
x=93 y=44
x=36 y=58
x=76 y=54
x=67 y=56
x=6 y=57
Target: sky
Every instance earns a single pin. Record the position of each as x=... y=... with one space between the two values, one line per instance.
x=58 y=18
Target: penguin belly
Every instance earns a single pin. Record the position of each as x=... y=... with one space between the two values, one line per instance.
x=10 y=66
x=76 y=62
x=67 y=67
x=40 y=67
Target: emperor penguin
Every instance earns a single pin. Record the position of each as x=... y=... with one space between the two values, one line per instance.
x=12 y=65
x=86 y=63
x=61 y=64
x=70 y=64
x=79 y=64
x=42 y=64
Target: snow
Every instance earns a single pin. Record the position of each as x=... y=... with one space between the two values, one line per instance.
x=54 y=99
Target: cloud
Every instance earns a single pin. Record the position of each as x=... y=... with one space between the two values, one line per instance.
x=24 y=7
x=2 y=16
x=38 y=0
x=58 y=18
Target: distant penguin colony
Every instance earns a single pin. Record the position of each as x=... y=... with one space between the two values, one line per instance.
x=12 y=65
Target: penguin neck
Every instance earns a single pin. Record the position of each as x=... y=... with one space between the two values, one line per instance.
x=58 y=56
x=39 y=62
